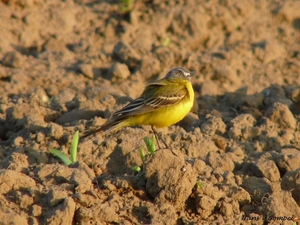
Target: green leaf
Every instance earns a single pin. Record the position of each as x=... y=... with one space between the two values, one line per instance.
x=127 y=5
x=63 y=157
x=74 y=145
x=199 y=184
x=167 y=42
x=136 y=169
x=142 y=153
x=150 y=143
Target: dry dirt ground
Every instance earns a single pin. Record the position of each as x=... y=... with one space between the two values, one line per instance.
x=68 y=65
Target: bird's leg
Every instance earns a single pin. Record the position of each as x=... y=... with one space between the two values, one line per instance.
x=157 y=138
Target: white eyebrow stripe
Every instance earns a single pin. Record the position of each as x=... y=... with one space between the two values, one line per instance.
x=187 y=74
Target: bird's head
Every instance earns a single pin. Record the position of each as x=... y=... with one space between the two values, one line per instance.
x=179 y=72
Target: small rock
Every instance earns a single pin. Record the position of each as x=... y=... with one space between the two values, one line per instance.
x=56 y=196
x=10 y=179
x=54 y=45
x=266 y=167
x=51 y=172
x=62 y=214
x=288 y=160
x=226 y=208
x=220 y=142
x=273 y=94
x=221 y=161
x=258 y=188
x=237 y=193
x=236 y=154
x=159 y=215
x=213 y=125
x=86 y=70
x=243 y=127
x=9 y=216
x=36 y=210
x=41 y=93
x=199 y=166
x=166 y=181
x=280 y=114
x=18 y=162
x=118 y=72
x=126 y=54
x=211 y=191
x=205 y=205
x=218 y=175
x=281 y=203
x=243 y=120
x=13 y=59
x=55 y=131
x=291 y=182
x=81 y=181
x=289 y=11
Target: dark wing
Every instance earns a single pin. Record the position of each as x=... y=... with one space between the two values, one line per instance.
x=156 y=95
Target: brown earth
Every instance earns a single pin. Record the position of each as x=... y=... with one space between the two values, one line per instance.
x=68 y=65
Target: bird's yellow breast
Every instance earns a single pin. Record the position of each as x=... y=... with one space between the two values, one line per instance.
x=168 y=115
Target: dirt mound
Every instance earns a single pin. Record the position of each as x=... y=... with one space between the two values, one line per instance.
x=68 y=65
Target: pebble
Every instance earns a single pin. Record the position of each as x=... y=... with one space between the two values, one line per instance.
x=266 y=167
x=289 y=159
x=280 y=114
x=257 y=187
x=222 y=161
x=13 y=59
x=118 y=72
x=213 y=125
x=86 y=70
x=126 y=54
x=205 y=205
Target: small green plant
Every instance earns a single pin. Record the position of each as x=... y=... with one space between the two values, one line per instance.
x=166 y=42
x=199 y=184
x=73 y=151
x=136 y=168
x=127 y=5
x=150 y=143
x=142 y=153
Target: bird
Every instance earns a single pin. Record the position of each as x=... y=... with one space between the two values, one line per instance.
x=163 y=103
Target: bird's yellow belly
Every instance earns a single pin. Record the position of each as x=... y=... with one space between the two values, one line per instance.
x=164 y=117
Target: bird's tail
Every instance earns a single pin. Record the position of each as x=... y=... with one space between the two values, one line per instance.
x=112 y=125
x=107 y=127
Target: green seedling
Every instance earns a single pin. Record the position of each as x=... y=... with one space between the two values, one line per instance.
x=150 y=143
x=136 y=169
x=199 y=184
x=127 y=5
x=142 y=153
x=166 y=42
x=73 y=151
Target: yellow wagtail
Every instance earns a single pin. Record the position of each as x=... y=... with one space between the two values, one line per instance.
x=162 y=103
